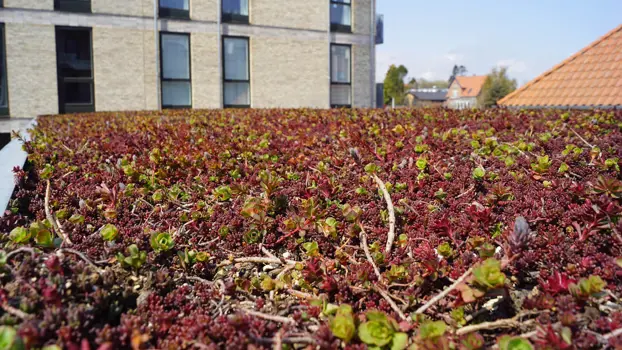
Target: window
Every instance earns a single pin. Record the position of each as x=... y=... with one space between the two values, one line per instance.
x=73 y=5
x=4 y=92
x=341 y=16
x=74 y=70
x=175 y=58
x=175 y=9
x=235 y=11
x=340 y=76
x=236 y=72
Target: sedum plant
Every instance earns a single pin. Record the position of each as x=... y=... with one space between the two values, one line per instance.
x=342 y=324
x=488 y=275
x=20 y=235
x=381 y=331
x=479 y=173
x=9 y=339
x=587 y=287
x=507 y=342
x=161 y=242
x=135 y=258
x=542 y=164
x=109 y=232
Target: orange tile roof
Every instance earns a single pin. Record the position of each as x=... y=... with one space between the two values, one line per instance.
x=471 y=86
x=591 y=77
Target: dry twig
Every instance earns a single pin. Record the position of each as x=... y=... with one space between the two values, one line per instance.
x=505 y=323
x=83 y=257
x=268 y=253
x=613 y=334
x=465 y=192
x=363 y=238
x=391 y=210
x=278 y=340
x=257 y=260
x=16 y=312
x=52 y=219
x=20 y=250
x=388 y=298
x=269 y=317
x=199 y=279
x=582 y=139
x=301 y=295
x=288 y=340
x=445 y=292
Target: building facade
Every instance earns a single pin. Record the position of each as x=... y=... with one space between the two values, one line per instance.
x=464 y=91
x=426 y=97
x=64 y=56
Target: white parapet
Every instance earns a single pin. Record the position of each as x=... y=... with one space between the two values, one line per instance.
x=11 y=156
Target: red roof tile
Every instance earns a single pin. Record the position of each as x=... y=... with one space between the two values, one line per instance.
x=471 y=86
x=591 y=77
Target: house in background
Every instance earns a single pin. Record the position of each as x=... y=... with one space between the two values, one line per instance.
x=464 y=91
x=591 y=78
x=431 y=97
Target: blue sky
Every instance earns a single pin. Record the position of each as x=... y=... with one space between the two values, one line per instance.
x=528 y=36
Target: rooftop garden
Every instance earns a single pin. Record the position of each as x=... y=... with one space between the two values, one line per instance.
x=419 y=229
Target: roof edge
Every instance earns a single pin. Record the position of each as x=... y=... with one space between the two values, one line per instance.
x=559 y=65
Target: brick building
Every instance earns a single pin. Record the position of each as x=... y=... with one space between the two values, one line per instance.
x=63 y=56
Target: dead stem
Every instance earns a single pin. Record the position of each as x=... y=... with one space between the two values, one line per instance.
x=289 y=340
x=391 y=210
x=83 y=257
x=363 y=238
x=301 y=295
x=20 y=250
x=268 y=253
x=16 y=312
x=613 y=334
x=257 y=260
x=278 y=340
x=388 y=298
x=465 y=192
x=52 y=219
x=275 y=318
x=199 y=279
x=505 y=323
x=582 y=139
x=445 y=292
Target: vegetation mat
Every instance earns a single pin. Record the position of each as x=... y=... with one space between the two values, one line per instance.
x=420 y=229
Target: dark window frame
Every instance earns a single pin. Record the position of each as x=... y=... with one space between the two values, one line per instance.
x=338 y=27
x=233 y=17
x=81 y=6
x=248 y=67
x=4 y=111
x=167 y=12
x=163 y=79
x=64 y=107
x=332 y=105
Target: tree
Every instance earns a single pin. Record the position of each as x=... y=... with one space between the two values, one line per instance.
x=427 y=84
x=456 y=72
x=394 y=84
x=497 y=86
x=412 y=83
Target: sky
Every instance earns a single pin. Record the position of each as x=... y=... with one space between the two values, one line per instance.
x=527 y=36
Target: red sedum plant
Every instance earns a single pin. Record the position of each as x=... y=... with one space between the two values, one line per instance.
x=252 y=228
